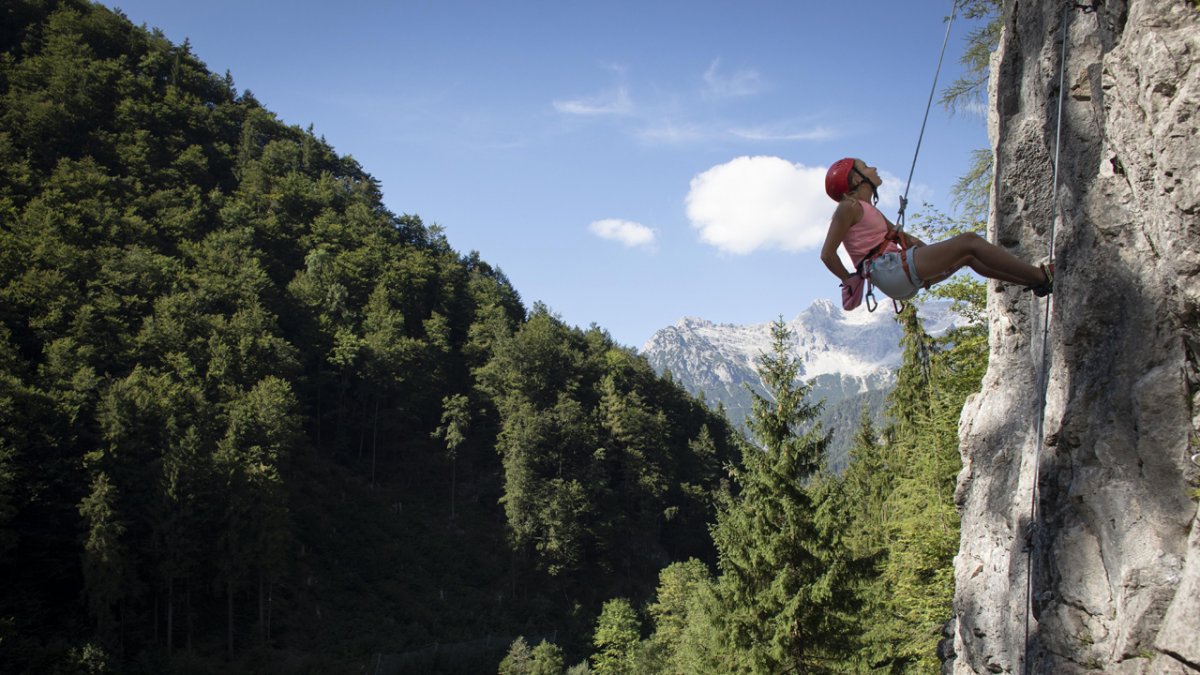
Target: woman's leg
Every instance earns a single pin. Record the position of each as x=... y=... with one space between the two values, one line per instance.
x=938 y=261
x=976 y=266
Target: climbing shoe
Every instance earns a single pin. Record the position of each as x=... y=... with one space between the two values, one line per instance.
x=1046 y=287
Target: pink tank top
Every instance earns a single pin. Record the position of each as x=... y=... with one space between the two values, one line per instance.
x=867 y=233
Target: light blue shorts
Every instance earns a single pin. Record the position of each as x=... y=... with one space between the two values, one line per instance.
x=887 y=273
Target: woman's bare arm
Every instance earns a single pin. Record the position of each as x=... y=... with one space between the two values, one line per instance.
x=848 y=213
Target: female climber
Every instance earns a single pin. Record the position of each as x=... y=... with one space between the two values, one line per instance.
x=901 y=268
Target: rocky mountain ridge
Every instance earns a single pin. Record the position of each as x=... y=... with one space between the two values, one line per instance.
x=848 y=357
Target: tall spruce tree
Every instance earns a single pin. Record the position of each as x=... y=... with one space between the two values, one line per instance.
x=926 y=521
x=616 y=639
x=456 y=423
x=903 y=490
x=106 y=563
x=867 y=485
x=782 y=587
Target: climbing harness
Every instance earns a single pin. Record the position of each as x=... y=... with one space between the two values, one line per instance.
x=893 y=236
x=1044 y=372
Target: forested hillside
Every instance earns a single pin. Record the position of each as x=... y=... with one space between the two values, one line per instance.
x=252 y=421
x=816 y=573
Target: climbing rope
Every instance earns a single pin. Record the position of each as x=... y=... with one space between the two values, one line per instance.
x=1044 y=371
x=899 y=232
x=928 y=105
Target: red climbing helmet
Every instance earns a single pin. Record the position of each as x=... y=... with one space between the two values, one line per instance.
x=837 y=179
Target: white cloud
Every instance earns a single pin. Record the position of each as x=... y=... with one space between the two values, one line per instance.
x=614 y=102
x=743 y=82
x=752 y=203
x=760 y=202
x=672 y=133
x=783 y=133
x=628 y=233
x=893 y=188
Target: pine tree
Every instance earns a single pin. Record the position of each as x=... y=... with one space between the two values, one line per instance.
x=106 y=565
x=256 y=529
x=635 y=438
x=617 y=636
x=456 y=423
x=704 y=640
x=518 y=660
x=782 y=586
x=547 y=659
x=179 y=524
x=867 y=485
x=676 y=606
x=902 y=488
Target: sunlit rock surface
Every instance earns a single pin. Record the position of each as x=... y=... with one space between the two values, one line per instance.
x=1111 y=555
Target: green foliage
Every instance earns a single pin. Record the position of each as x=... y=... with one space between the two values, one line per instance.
x=972 y=191
x=681 y=640
x=677 y=586
x=790 y=594
x=91 y=659
x=703 y=643
x=544 y=659
x=967 y=292
x=850 y=573
x=547 y=660
x=616 y=640
x=518 y=660
x=106 y=559
x=971 y=86
x=584 y=426
x=901 y=490
x=783 y=589
x=233 y=388
x=456 y=422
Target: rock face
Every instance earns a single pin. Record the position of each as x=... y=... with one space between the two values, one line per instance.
x=1097 y=526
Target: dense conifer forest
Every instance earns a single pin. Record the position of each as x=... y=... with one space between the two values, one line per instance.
x=251 y=421
x=246 y=408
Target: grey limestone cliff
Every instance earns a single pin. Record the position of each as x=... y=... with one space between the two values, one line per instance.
x=1110 y=557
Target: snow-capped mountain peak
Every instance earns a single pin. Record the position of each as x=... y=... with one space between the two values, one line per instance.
x=827 y=341
x=842 y=354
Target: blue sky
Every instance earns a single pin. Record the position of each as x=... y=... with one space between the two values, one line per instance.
x=626 y=163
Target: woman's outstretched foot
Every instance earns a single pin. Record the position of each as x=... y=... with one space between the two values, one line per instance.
x=1046 y=287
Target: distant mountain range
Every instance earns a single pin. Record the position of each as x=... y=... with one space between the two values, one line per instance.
x=849 y=358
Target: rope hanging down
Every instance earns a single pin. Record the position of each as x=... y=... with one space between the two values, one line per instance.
x=928 y=105
x=1044 y=371
x=899 y=231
